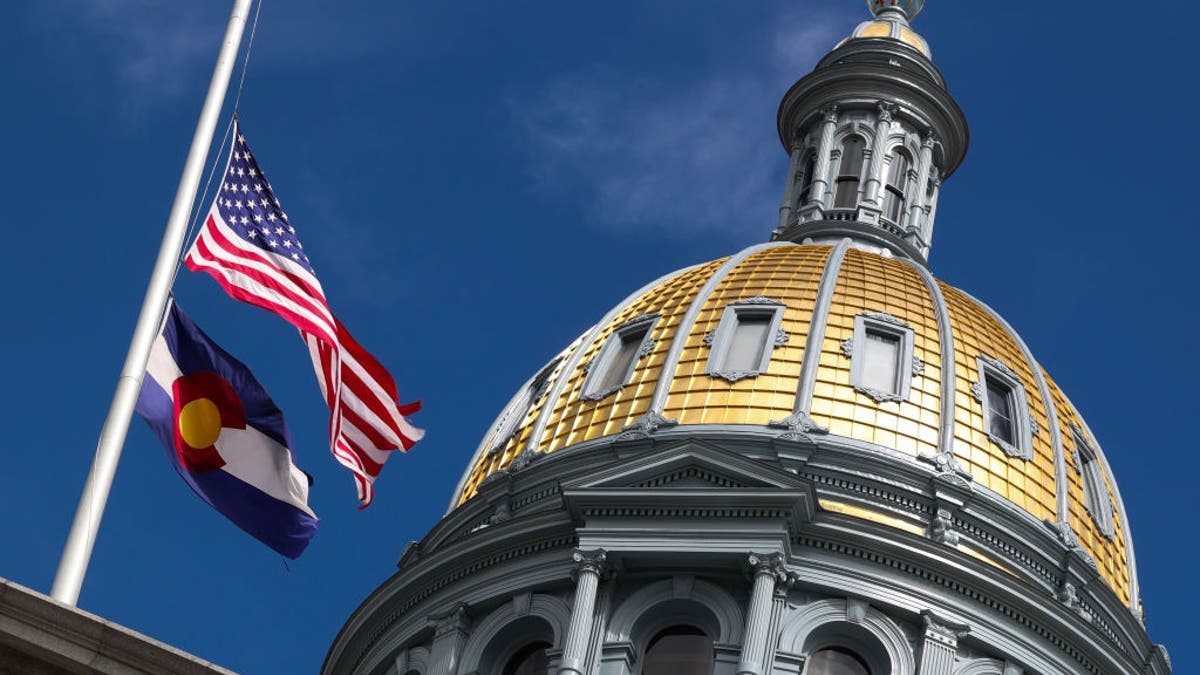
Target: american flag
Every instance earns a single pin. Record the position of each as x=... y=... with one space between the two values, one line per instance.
x=249 y=246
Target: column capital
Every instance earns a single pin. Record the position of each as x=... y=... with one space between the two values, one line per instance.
x=829 y=113
x=943 y=631
x=453 y=620
x=886 y=110
x=928 y=138
x=769 y=565
x=590 y=561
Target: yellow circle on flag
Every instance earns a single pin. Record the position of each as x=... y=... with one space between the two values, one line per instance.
x=200 y=423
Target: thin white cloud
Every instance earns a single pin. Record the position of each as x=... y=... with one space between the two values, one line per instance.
x=688 y=158
x=162 y=48
x=158 y=45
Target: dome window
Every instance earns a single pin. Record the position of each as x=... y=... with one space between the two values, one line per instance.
x=742 y=343
x=1006 y=417
x=881 y=357
x=836 y=661
x=680 y=650
x=850 y=172
x=1095 y=491
x=611 y=370
x=897 y=184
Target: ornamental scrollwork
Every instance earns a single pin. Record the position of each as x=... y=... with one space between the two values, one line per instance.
x=878 y=396
x=1000 y=366
x=799 y=421
x=760 y=300
x=942 y=528
x=918 y=366
x=732 y=376
x=886 y=318
x=590 y=562
x=647 y=348
x=645 y=425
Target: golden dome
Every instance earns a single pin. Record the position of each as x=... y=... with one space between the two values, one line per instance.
x=671 y=380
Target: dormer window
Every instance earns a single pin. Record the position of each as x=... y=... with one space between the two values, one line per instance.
x=897 y=182
x=742 y=343
x=613 y=367
x=1095 y=490
x=850 y=172
x=881 y=357
x=1006 y=417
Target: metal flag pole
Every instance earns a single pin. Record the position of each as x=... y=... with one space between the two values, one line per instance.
x=78 y=551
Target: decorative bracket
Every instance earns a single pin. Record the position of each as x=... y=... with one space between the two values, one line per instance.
x=799 y=421
x=646 y=425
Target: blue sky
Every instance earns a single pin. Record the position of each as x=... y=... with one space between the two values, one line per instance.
x=476 y=182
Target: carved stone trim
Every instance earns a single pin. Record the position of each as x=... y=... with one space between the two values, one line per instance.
x=799 y=421
x=886 y=110
x=886 y=318
x=590 y=561
x=769 y=564
x=918 y=366
x=760 y=300
x=941 y=529
x=645 y=425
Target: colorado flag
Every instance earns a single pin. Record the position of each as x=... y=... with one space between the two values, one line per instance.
x=225 y=436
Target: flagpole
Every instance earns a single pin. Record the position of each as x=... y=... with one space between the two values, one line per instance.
x=78 y=550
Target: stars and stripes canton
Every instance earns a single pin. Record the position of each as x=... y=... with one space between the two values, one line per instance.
x=250 y=208
x=250 y=247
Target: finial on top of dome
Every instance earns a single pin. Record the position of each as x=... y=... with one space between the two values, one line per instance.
x=909 y=8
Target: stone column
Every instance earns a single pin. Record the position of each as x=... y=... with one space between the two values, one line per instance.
x=931 y=211
x=590 y=564
x=918 y=200
x=940 y=645
x=769 y=571
x=789 y=188
x=402 y=662
x=823 y=166
x=878 y=149
x=450 y=634
x=599 y=621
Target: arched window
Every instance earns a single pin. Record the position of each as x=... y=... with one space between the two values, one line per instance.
x=894 y=197
x=529 y=661
x=679 y=650
x=849 y=173
x=806 y=180
x=836 y=661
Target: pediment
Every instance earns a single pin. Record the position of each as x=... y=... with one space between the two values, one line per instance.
x=689 y=464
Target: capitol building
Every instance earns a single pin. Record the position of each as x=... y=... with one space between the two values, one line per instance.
x=809 y=457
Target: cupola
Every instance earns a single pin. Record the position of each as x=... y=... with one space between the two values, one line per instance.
x=872 y=133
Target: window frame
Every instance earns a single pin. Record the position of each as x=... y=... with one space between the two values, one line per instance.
x=1023 y=431
x=1093 y=480
x=808 y=169
x=841 y=176
x=598 y=366
x=897 y=192
x=720 y=340
x=907 y=365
